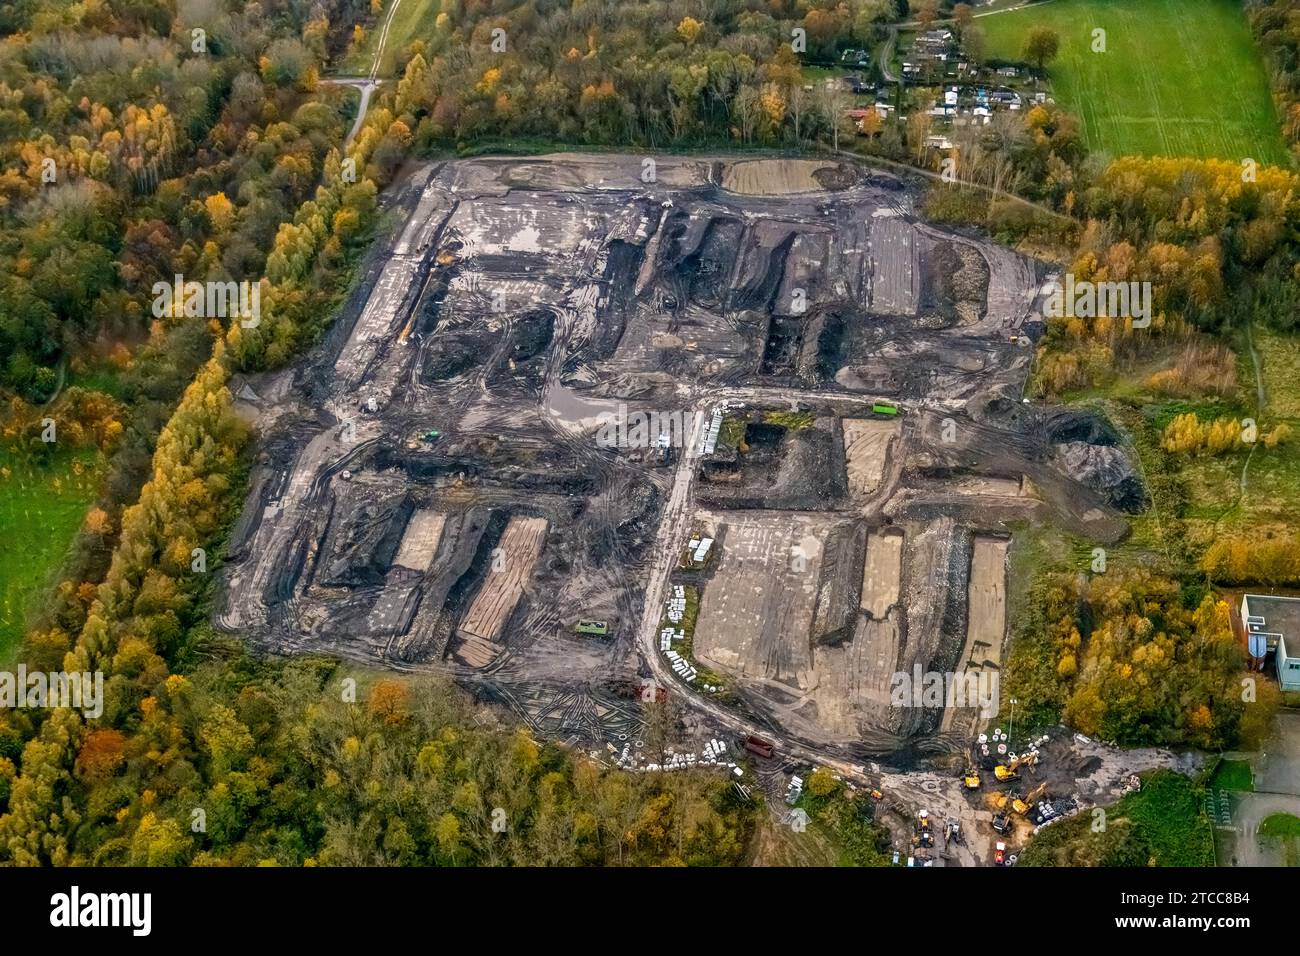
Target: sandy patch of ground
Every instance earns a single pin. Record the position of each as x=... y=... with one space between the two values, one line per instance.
x=881 y=574
x=756 y=613
x=763 y=618
x=989 y=485
x=420 y=540
x=867 y=443
x=986 y=616
x=773 y=177
x=520 y=545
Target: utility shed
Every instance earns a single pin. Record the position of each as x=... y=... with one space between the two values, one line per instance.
x=1277 y=620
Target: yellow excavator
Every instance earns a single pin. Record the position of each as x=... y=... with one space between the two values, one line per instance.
x=1007 y=771
x=924 y=835
x=1015 y=803
x=972 y=779
x=1020 y=805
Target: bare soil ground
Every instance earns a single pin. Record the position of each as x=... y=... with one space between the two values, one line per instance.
x=866 y=447
x=524 y=301
x=987 y=615
x=986 y=621
x=756 y=616
x=880 y=577
x=492 y=606
x=774 y=177
x=420 y=540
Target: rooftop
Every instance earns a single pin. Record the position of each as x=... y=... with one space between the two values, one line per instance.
x=1282 y=614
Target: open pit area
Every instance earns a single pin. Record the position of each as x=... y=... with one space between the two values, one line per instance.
x=561 y=369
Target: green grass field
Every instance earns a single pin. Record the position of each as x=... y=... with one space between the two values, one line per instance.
x=1280 y=825
x=41 y=509
x=1163 y=824
x=102 y=377
x=1178 y=78
x=1233 y=775
x=1211 y=498
x=1283 y=831
x=1271 y=501
x=413 y=19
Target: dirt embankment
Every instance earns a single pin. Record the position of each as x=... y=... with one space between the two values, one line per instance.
x=784 y=177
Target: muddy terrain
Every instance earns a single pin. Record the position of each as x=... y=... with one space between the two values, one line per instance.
x=564 y=373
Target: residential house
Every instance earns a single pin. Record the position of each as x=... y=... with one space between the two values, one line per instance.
x=857 y=84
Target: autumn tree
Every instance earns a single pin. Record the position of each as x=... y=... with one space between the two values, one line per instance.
x=963 y=15
x=1041 y=46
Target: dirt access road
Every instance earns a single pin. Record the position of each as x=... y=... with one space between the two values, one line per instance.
x=367 y=83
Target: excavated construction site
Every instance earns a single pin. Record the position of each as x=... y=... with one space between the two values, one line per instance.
x=565 y=372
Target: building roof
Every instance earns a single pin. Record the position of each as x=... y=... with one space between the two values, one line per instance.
x=1281 y=614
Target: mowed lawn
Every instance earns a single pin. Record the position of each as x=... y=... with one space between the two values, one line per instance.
x=41 y=508
x=1178 y=78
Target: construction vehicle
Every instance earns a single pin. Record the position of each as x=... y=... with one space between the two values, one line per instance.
x=877 y=795
x=1001 y=823
x=1013 y=802
x=1007 y=771
x=431 y=436
x=971 y=780
x=952 y=833
x=1021 y=807
x=999 y=853
x=924 y=835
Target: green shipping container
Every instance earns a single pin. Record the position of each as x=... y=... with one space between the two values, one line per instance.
x=881 y=409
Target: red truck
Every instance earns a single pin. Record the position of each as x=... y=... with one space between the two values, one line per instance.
x=759 y=746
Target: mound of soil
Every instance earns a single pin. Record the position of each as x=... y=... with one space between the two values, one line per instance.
x=1065 y=425
x=1105 y=469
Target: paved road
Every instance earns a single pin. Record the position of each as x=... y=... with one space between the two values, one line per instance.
x=1277 y=769
x=1018 y=6
x=368 y=83
x=361 y=114
x=1252 y=809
